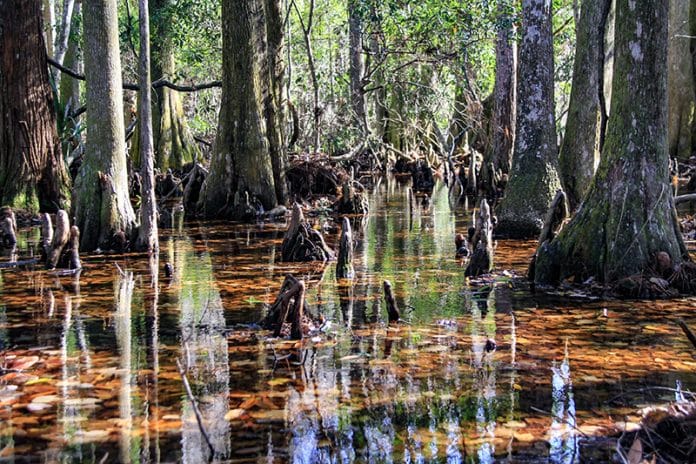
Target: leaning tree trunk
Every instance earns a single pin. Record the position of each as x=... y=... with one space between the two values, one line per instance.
x=503 y=120
x=102 y=207
x=147 y=235
x=680 y=82
x=173 y=141
x=32 y=173
x=534 y=176
x=241 y=170
x=581 y=145
x=628 y=215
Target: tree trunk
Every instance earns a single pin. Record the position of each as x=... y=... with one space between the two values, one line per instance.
x=147 y=235
x=173 y=143
x=274 y=97
x=32 y=173
x=49 y=26
x=628 y=215
x=102 y=206
x=69 y=92
x=503 y=120
x=581 y=144
x=680 y=82
x=356 y=69
x=534 y=177
x=241 y=167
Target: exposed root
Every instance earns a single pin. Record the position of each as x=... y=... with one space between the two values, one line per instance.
x=302 y=242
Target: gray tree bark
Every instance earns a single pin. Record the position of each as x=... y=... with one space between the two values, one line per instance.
x=628 y=215
x=503 y=120
x=534 y=177
x=680 y=81
x=102 y=207
x=241 y=171
x=580 y=149
x=147 y=235
x=356 y=67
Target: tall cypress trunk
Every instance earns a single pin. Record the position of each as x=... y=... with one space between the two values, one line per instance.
x=241 y=171
x=274 y=96
x=69 y=92
x=102 y=207
x=173 y=142
x=680 y=82
x=628 y=214
x=355 y=71
x=581 y=144
x=32 y=173
x=534 y=176
x=503 y=120
x=147 y=235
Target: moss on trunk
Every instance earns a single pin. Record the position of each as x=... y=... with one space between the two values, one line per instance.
x=534 y=178
x=241 y=173
x=102 y=207
x=628 y=215
x=32 y=174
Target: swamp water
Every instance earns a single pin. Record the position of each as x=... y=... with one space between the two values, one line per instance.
x=89 y=365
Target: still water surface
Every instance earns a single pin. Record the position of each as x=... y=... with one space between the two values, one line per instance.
x=88 y=365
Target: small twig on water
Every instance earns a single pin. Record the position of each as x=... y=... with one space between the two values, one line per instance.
x=194 y=404
x=689 y=334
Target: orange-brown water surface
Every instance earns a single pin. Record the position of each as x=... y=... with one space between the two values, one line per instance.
x=88 y=363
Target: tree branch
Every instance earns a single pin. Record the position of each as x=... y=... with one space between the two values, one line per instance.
x=155 y=85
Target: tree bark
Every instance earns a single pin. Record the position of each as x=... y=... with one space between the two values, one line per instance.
x=503 y=120
x=69 y=90
x=534 y=178
x=356 y=68
x=147 y=234
x=173 y=142
x=680 y=81
x=102 y=206
x=628 y=215
x=242 y=164
x=32 y=174
x=580 y=150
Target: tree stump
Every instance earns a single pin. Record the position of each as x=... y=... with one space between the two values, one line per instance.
x=60 y=239
x=422 y=175
x=74 y=249
x=344 y=266
x=46 y=234
x=392 y=307
x=481 y=261
x=353 y=200
x=8 y=227
x=302 y=243
x=289 y=306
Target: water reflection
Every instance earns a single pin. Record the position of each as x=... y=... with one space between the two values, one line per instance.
x=480 y=373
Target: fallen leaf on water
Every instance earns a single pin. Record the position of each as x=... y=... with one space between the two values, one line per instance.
x=279 y=381
x=39 y=380
x=46 y=399
x=233 y=414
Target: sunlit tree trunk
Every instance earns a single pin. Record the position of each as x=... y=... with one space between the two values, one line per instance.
x=581 y=144
x=173 y=141
x=534 y=176
x=241 y=171
x=69 y=92
x=628 y=214
x=680 y=80
x=502 y=124
x=102 y=207
x=356 y=68
x=274 y=96
x=32 y=173
x=147 y=235
x=49 y=26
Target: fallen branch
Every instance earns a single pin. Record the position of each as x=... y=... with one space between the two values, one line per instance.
x=684 y=198
x=689 y=334
x=25 y=262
